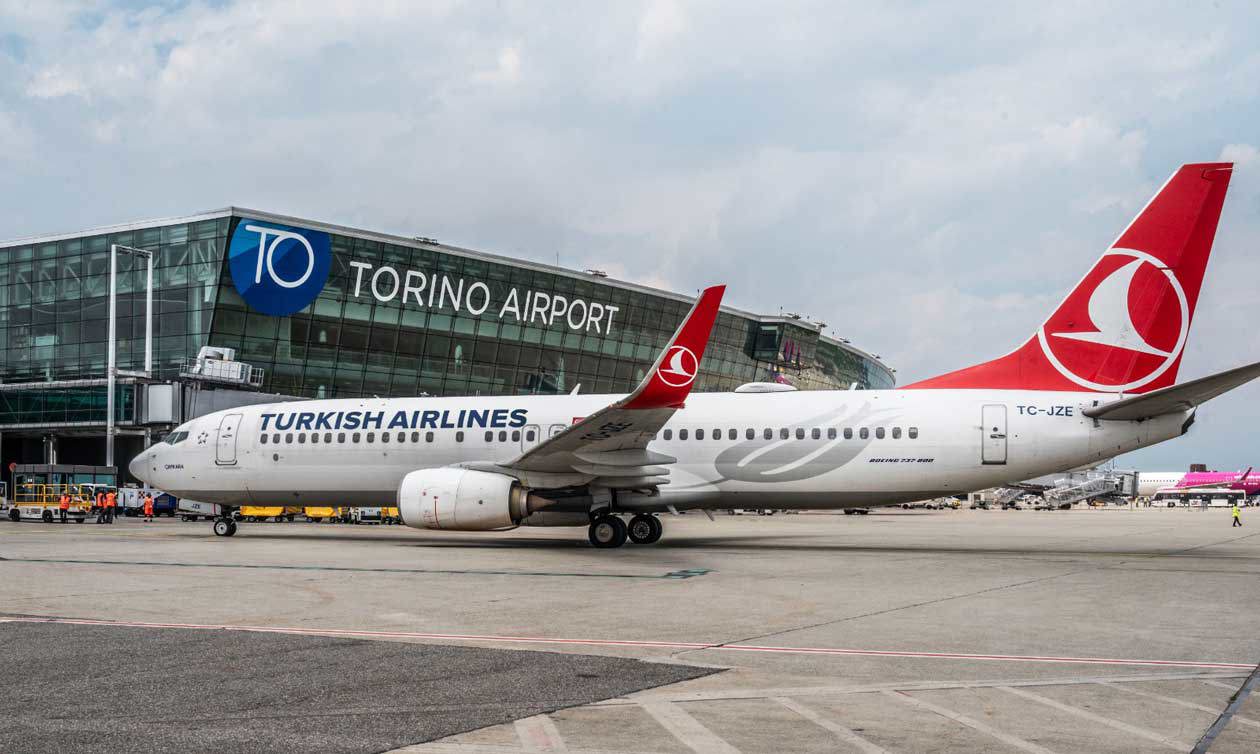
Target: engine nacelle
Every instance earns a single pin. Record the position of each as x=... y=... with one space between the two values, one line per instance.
x=463 y=500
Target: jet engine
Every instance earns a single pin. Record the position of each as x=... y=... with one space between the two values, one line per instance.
x=464 y=500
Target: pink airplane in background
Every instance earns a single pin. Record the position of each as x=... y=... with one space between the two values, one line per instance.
x=1150 y=483
x=1233 y=480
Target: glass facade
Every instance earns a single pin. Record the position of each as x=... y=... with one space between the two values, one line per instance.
x=350 y=341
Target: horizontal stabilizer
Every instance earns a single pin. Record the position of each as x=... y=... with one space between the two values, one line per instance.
x=1176 y=398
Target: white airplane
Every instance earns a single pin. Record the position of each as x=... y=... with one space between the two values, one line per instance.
x=1096 y=379
x=1150 y=482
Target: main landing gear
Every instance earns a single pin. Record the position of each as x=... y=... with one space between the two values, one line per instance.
x=224 y=527
x=610 y=531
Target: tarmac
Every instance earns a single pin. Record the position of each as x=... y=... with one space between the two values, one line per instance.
x=901 y=631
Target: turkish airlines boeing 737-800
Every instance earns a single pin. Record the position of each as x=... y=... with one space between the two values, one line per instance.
x=1098 y=378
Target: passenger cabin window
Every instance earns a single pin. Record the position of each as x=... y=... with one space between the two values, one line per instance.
x=800 y=433
x=682 y=434
x=415 y=437
x=503 y=435
x=341 y=437
x=355 y=438
x=489 y=437
x=815 y=434
x=864 y=433
x=669 y=434
x=784 y=434
x=402 y=437
x=314 y=437
x=384 y=437
x=288 y=438
x=459 y=436
x=301 y=438
x=328 y=437
x=516 y=435
x=371 y=437
x=831 y=433
x=263 y=439
x=896 y=433
x=848 y=433
x=879 y=433
x=717 y=434
x=768 y=434
x=428 y=437
x=699 y=434
x=529 y=435
x=914 y=433
x=750 y=433
x=733 y=434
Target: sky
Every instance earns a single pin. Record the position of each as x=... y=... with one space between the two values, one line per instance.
x=927 y=178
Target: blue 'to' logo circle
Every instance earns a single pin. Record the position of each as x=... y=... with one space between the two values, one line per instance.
x=278 y=269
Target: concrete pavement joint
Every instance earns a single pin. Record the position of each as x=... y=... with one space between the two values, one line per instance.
x=491 y=638
x=1134 y=730
x=1235 y=703
x=681 y=574
x=976 y=593
x=970 y=722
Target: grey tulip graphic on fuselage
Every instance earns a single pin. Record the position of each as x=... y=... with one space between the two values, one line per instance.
x=778 y=460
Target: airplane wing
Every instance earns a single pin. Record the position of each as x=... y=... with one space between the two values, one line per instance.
x=1182 y=397
x=610 y=445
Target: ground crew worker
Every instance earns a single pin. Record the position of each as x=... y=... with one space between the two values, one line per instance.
x=64 y=506
x=100 y=507
x=1237 y=517
x=148 y=507
x=111 y=500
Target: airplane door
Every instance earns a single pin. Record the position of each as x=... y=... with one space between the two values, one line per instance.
x=226 y=446
x=993 y=434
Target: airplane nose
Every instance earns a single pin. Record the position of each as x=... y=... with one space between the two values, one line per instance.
x=139 y=466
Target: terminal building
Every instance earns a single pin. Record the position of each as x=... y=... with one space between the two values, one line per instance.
x=243 y=306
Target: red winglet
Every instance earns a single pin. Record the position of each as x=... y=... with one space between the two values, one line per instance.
x=669 y=381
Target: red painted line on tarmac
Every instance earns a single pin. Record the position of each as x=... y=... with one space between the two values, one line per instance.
x=492 y=638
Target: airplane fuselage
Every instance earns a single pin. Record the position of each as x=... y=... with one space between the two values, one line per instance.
x=803 y=450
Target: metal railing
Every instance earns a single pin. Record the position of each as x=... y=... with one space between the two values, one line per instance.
x=218 y=370
x=1090 y=488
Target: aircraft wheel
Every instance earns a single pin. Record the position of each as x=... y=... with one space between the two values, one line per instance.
x=607 y=532
x=644 y=529
x=224 y=527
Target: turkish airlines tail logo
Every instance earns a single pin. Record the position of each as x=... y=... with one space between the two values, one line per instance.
x=1109 y=311
x=1123 y=328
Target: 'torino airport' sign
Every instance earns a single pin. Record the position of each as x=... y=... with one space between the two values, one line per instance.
x=280 y=270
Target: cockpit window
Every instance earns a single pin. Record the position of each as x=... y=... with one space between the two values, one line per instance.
x=175 y=438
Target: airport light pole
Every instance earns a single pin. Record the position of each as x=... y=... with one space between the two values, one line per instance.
x=111 y=371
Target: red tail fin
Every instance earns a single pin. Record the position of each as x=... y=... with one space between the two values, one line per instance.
x=1123 y=328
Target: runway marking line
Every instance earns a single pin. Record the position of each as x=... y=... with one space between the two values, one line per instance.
x=646 y=644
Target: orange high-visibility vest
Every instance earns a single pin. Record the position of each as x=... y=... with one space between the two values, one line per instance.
x=65 y=503
x=100 y=500
x=148 y=505
x=111 y=500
